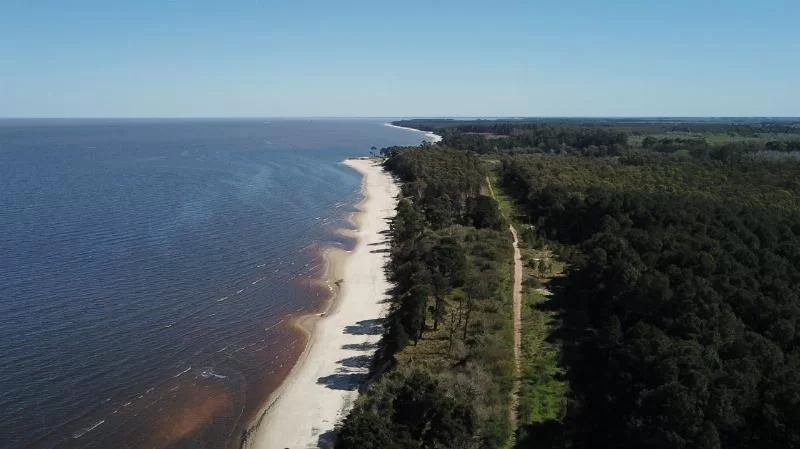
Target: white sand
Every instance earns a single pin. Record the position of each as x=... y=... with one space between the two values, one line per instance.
x=428 y=135
x=323 y=385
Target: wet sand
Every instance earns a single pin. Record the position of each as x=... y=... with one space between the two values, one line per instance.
x=322 y=386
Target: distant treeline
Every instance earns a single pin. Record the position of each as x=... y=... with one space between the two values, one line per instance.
x=503 y=136
x=444 y=365
x=701 y=148
x=742 y=127
x=680 y=310
x=609 y=137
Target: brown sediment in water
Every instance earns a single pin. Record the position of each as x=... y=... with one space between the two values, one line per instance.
x=332 y=275
x=303 y=325
x=310 y=405
x=187 y=411
x=325 y=285
x=206 y=413
x=217 y=413
x=199 y=406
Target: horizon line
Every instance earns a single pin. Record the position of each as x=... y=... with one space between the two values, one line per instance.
x=403 y=117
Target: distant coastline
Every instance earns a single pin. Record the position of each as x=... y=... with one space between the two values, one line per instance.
x=428 y=135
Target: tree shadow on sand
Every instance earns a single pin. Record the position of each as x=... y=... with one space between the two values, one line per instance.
x=365 y=327
x=343 y=381
x=357 y=361
x=365 y=346
x=351 y=372
x=327 y=440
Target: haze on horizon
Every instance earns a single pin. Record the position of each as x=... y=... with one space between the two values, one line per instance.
x=415 y=58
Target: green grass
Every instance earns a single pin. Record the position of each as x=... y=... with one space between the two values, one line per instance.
x=504 y=201
x=542 y=394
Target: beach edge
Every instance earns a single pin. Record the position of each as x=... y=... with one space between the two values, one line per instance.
x=431 y=137
x=346 y=305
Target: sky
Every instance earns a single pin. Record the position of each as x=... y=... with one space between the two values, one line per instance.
x=292 y=58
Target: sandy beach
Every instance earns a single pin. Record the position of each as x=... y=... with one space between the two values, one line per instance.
x=428 y=135
x=323 y=385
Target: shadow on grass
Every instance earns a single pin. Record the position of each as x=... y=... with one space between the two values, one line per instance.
x=545 y=435
x=589 y=419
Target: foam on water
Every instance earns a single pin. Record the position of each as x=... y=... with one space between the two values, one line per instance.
x=182 y=372
x=88 y=429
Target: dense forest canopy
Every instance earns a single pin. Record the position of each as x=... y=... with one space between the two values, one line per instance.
x=751 y=183
x=680 y=311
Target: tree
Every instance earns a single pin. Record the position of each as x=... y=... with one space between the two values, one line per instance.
x=447 y=264
x=484 y=212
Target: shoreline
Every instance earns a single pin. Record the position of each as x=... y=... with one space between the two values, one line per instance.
x=435 y=138
x=342 y=338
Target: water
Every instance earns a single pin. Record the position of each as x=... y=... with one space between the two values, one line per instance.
x=148 y=270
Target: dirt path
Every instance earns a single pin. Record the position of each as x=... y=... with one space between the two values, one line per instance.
x=491 y=190
x=517 y=297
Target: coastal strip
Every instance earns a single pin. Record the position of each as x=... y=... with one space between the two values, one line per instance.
x=321 y=388
x=428 y=135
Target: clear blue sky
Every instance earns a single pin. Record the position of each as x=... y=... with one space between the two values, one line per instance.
x=160 y=58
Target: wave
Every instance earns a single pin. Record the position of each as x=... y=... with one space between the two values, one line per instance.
x=206 y=373
x=83 y=432
x=182 y=372
x=274 y=325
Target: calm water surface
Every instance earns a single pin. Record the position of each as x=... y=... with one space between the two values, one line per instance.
x=147 y=269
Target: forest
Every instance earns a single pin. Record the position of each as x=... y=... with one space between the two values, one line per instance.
x=671 y=321
x=701 y=138
x=443 y=370
x=679 y=312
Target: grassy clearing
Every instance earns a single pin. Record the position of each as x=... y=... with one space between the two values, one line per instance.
x=504 y=201
x=542 y=393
